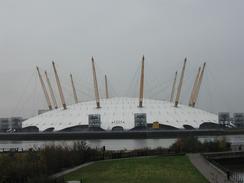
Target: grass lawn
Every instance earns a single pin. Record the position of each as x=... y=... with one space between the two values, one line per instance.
x=157 y=169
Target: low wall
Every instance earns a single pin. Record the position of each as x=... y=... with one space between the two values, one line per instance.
x=115 y=135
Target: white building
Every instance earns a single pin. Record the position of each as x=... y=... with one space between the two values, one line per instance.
x=120 y=112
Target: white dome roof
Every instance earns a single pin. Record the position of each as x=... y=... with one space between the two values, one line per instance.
x=120 y=111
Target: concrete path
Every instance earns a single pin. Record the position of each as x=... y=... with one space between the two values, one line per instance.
x=60 y=174
x=208 y=170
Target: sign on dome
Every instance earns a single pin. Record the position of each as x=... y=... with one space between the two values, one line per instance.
x=140 y=119
x=94 y=120
x=224 y=118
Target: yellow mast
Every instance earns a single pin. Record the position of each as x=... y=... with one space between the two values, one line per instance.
x=44 y=90
x=73 y=88
x=95 y=84
x=59 y=87
x=106 y=86
x=173 y=88
x=194 y=87
x=180 y=84
x=141 y=84
x=198 y=86
x=51 y=91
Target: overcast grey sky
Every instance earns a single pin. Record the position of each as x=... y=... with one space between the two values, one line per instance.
x=117 y=34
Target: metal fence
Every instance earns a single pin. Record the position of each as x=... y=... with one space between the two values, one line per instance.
x=237 y=177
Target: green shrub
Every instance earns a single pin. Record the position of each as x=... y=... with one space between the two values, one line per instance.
x=37 y=166
x=193 y=145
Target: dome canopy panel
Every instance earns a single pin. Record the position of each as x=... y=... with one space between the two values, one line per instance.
x=120 y=111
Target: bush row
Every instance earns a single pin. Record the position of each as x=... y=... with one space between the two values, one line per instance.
x=193 y=145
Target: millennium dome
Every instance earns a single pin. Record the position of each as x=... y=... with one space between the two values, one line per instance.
x=121 y=113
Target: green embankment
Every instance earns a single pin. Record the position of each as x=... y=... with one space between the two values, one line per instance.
x=158 y=169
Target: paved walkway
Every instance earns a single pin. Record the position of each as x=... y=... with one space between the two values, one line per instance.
x=208 y=170
x=60 y=174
